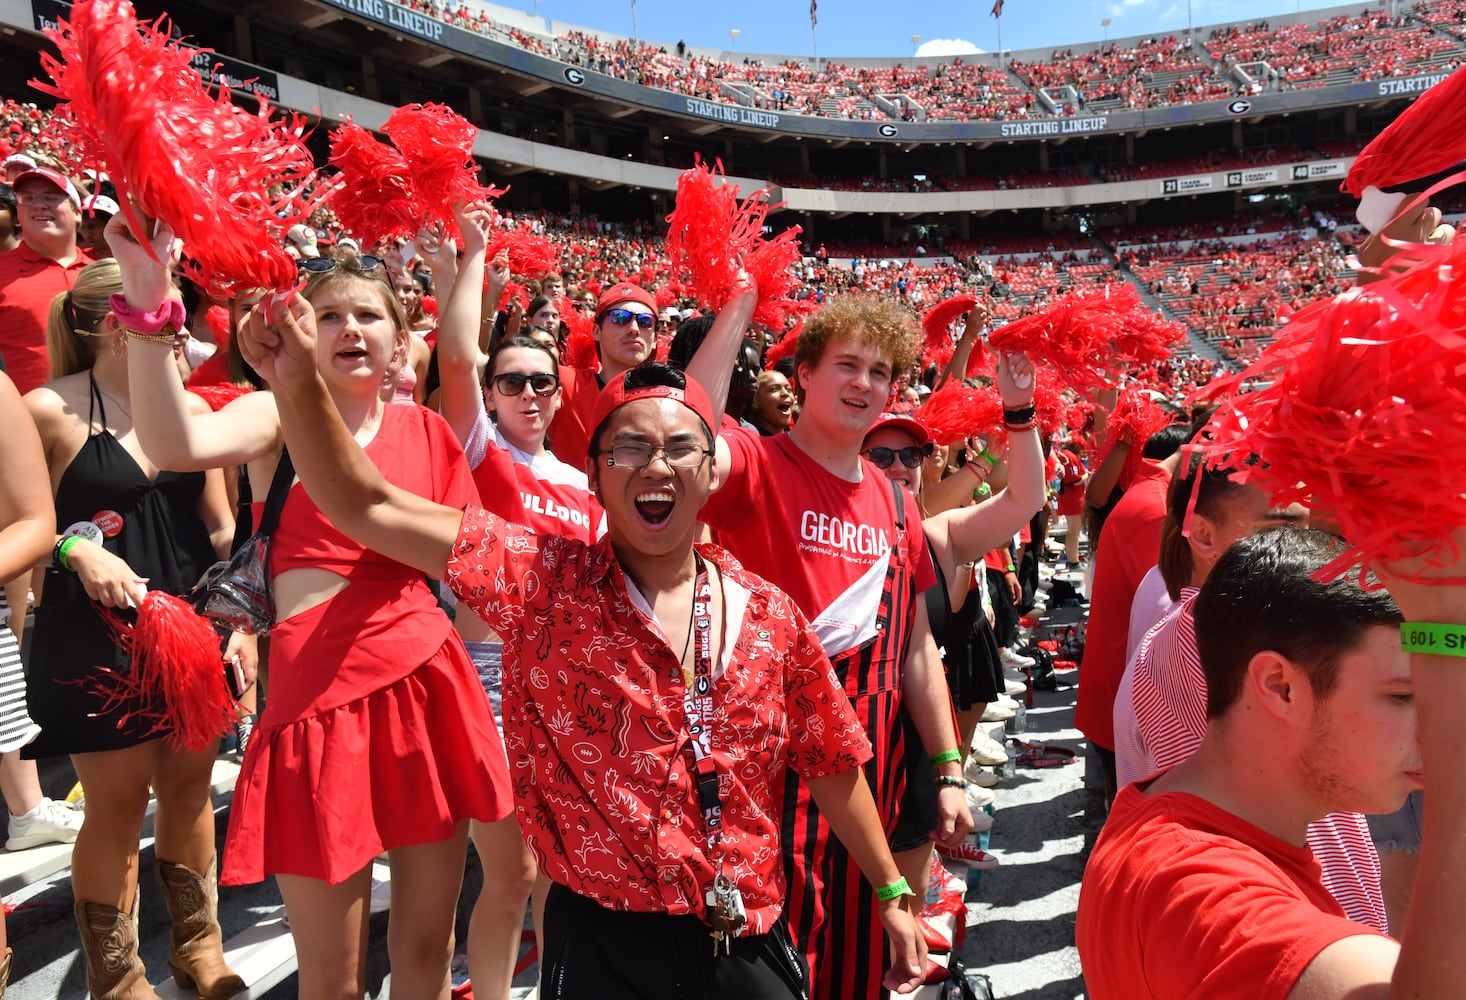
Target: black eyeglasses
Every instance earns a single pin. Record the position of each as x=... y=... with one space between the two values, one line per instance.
x=638 y=456
x=513 y=383
x=911 y=456
x=620 y=317
x=324 y=265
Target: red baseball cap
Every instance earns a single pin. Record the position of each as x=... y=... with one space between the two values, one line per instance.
x=901 y=422
x=59 y=181
x=625 y=292
x=615 y=394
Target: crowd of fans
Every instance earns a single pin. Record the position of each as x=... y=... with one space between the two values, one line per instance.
x=1153 y=72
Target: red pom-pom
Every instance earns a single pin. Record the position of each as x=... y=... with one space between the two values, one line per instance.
x=176 y=682
x=1136 y=417
x=229 y=183
x=529 y=255
x=1089 y=333
x=437 y=143
x=375 y=200
x=579 y=348
x=712 y=234
x=217 y=320
x=1427 y=137
x=784 y=347
x=1363 y=414
x=957 y=411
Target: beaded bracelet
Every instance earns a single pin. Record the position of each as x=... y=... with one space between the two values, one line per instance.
x=951 y=781
x=1433 y=639
x=167 y=336
x=952 y=756
x=900 y=887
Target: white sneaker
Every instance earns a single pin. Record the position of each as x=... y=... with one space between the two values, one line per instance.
x=1014 y=688
x=1016 y=660
x=978 y=797
x=978 y=777
x=1011 y=704
x=986 y=750
x=997 y=712
x=49 y=822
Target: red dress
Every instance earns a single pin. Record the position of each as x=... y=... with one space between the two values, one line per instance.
x=376 y=733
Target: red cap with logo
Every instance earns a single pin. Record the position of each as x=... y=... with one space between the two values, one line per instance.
x=624 y=292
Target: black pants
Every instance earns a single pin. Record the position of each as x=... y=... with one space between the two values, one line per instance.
x=599 y=954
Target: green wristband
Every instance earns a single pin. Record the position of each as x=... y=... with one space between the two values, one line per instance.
x=946 y=757
x=900 y=887
x=1436 y=640
x=63 y=550
x=989 y=458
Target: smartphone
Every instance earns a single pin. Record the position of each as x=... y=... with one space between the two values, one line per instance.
x=234 y=677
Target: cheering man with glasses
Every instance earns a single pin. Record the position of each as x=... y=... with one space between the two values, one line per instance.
x=625 y=332
x=655 y=694
x=36 y=271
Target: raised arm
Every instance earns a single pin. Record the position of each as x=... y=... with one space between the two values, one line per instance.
x=172 y=436
x=461 y=398
x=977 y=321
x=974 y=531
x=712 y=366
x=27 y=514
x=336 y=473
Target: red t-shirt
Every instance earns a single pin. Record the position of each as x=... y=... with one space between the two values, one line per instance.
x=540 y=491
x=813 y=534
x=28 y=283
x=1183 y=899
x=570 y=432
x=1129 y=545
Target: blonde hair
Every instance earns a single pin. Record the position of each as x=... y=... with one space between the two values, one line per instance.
x=77 y=317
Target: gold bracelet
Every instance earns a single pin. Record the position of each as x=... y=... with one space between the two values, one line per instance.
x=164 y=336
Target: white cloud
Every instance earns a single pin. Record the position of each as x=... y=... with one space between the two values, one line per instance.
x=947 y=47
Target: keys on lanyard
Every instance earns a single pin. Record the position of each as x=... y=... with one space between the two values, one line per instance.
x=725 y=913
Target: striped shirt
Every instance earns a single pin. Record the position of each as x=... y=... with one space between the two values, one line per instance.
x=1170 y=712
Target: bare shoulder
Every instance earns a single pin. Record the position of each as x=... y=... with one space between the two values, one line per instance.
x=1353 y=968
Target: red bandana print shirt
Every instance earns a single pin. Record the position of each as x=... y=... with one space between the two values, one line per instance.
x=596 y=732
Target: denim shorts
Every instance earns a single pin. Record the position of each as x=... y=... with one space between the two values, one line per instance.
x=1399 y=830
x=488 y=657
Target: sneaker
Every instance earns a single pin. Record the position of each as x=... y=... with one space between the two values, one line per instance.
x=1014 y=688
x=979 y=777
x=1016 y=660
x=986 y=750
x=1003 y=701
x=982 y=821
x=978 y=797
x=48 y=823
x=244 y=728
x=969 y=854
x=996 y=712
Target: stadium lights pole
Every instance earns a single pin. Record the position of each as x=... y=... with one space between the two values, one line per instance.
x=733 y=34
x=915 y=44
x=1105 y=24
x=633 y=20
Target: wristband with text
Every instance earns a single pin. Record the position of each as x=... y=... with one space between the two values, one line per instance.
x=900 y=887
x=62 y=550
x=1433 y=639
x=952 y=756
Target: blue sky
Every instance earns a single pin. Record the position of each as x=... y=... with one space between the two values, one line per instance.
x=867 y=27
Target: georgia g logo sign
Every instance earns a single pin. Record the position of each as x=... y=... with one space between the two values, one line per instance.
x=889 y=131
x=1239 y=107
x=574 y=76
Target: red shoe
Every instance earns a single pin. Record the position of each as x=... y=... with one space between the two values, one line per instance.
x=970 y=855
x=936 y=941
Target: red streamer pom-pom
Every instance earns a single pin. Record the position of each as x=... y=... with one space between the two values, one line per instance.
x=579 y=350
x=784 y=347
x=437 y=143
x=1049 y=405
x=957 y=411
x=375 y=200
x=711 y=234
x=1137 y=417
x=1363 y=414
x=1089 y=333
x=1427 y=137
x=176 y=682
x=229 y=183
x=529 y=255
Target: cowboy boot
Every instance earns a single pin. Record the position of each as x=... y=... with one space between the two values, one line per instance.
x=109 y=939
x=197 y=957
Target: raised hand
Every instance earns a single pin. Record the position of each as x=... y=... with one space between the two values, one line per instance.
x=278 y=340
x=1015 y=380
x=144 y=267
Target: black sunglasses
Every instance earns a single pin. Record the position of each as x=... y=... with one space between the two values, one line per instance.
x=911 y=456
x=513 y=383
x=621 y=317
x=324 y=265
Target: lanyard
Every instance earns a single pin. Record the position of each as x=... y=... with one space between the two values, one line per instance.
x=697 y=703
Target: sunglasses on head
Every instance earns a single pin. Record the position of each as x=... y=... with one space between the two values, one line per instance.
x=911 y=456
x=620 y=317
x=324 y=265
x=513 y=383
